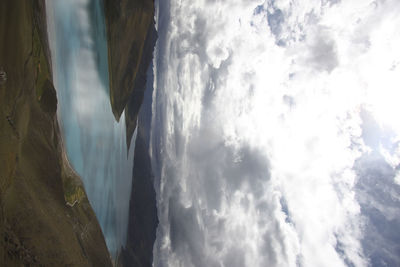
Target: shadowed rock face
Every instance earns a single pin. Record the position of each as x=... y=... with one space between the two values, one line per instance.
x=131 y=39
x=45 y=217
x=143 y=220
x=135 y=100
x=128 y=23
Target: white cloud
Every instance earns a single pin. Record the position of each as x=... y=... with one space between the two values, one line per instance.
x=256 y=128
x=397 y=178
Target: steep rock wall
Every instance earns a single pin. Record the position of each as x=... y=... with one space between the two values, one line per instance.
x=131 y=38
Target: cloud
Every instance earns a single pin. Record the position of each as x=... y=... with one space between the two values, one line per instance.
x=323 y=54
x=377 y=193
x=257 y=125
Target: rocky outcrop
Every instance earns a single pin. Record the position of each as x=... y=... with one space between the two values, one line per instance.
x=143 y=220
x=131 y=40
x=131 y=37
x=136 y=99
x=45 y=216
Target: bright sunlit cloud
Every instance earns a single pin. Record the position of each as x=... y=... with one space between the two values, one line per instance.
x=266 y=118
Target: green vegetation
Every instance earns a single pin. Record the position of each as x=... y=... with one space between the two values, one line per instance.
x=41 y=63
x=73 y=190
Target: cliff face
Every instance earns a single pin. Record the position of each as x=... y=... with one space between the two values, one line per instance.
x=131 y=37
x=136 y=99
x=45 y=217
x=143 y=220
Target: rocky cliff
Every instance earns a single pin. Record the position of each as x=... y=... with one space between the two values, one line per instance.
x=131 y=38
x=45 y=217
x=143 y=220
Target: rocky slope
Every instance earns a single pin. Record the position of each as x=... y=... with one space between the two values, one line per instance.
x=45 y=217
x=131 y=38
x=143 y=220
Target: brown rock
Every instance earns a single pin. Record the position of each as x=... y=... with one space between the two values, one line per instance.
x=37 y=227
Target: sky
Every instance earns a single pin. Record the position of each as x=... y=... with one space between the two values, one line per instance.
x=275 y=137
x=95 y=142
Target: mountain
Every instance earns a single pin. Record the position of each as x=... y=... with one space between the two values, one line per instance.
x=45 y=216
x=143 y=219
x=131 y=37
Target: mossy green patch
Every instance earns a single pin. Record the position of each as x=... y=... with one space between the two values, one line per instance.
x=40 y=63
x=73 y=191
